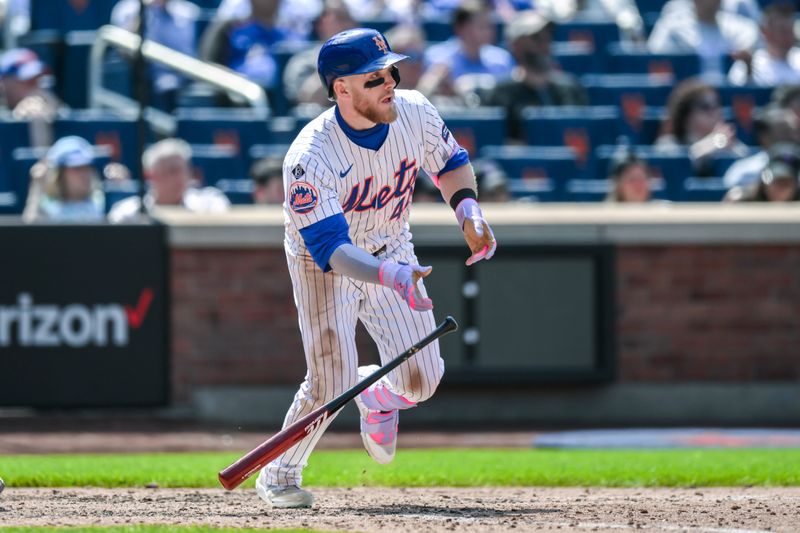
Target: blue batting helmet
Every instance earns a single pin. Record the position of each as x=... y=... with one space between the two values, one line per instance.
x=356 y=51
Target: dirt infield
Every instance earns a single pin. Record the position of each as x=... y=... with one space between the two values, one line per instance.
x=411 y=510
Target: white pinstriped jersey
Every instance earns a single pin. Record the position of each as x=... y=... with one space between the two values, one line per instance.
x=325 y=173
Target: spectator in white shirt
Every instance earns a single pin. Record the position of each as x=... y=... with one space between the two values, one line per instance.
x=168 y=171
x=773 y=125
x=778 y=61
x=700 y=27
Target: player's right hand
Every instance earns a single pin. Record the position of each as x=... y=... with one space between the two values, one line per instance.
x=403 y=279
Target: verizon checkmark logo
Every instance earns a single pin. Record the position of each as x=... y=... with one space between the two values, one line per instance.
x=137 y=314
x=28 y=323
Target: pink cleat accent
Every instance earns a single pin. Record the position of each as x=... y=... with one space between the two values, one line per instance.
x=379 y=432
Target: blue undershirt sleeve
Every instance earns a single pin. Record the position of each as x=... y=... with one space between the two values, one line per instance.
x=458 y=159
x=324 y=237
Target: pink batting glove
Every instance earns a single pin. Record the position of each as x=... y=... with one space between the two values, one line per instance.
x=403 y=279
x=477 y=233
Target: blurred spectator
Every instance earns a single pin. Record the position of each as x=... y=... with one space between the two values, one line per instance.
x=65 y=187
x=300 y=79
x=267 y=175
x=401 y=11
x=22 y=83
x=624 y=12
x=779 y=179
x=773 y=125
x=700 y=27
x=778 y=61
x=171 y=23
x=409 y=40
x=744 y=8
x=694 y=119
x=168 y=171
x=492 y=181
x=535 y=81
x=17 y=20
x=468 y=60
x=629 y=179
x=294 y=16
x=787 y=97
x=244 y=44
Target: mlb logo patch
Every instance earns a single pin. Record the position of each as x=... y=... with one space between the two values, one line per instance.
x=303 y=197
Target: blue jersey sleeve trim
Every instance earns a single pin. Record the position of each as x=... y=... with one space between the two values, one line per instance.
x=458 y=159
x=324 y=237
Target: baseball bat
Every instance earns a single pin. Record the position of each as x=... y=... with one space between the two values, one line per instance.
x=261 y=455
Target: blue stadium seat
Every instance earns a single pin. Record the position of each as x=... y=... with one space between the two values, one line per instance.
x=214 y=162
x=580 y=128
x=628 y=89
x=438 y=30
x=578 y=58
x=598 y=33
x=476 y=127
x=381 y=24
x=537 y=173
x=743 y=102
x=669 y=169
x=241 y=128
x=694 y=189
x=68 y=15
x=222 y=167
x=260 y=151
x=627 y=59
x=13 y=135
x=650 y=6
x=104 y=128
x=22 y=159
x=76 y=60
x=283 y=52
x=207 y=4
x=639 y=97
x=47 y=44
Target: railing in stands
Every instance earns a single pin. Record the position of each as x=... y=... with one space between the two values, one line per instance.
x=239 y=88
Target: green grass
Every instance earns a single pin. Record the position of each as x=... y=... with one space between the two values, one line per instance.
x=143 y=529
x=428 y=468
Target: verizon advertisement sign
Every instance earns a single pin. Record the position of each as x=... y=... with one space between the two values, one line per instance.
x=83 y=316
x=74 y=325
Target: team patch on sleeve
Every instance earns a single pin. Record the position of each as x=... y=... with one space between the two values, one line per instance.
x=303 y=197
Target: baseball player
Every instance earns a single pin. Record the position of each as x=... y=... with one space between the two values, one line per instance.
x=348 y=179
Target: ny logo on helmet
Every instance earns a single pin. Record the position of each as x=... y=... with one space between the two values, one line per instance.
x=381 y=44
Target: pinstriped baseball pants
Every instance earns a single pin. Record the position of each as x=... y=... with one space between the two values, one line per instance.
x=329 y=306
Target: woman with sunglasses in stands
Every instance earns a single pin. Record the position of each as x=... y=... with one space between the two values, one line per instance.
x=695 y=121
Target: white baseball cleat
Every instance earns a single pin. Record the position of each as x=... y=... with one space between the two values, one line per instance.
x=379 y=432
x=285 y=497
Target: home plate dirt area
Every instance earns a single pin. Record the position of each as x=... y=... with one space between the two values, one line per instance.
x=420 y=509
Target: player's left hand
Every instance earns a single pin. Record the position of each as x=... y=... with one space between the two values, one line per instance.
x=477 y=233
x=403 y=278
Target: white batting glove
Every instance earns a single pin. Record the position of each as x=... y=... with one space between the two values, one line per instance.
x=403 y=279
x=477 y=233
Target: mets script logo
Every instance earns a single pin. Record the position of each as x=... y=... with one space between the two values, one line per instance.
x=303 y=197
x=363 y=197
x=381 y=44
